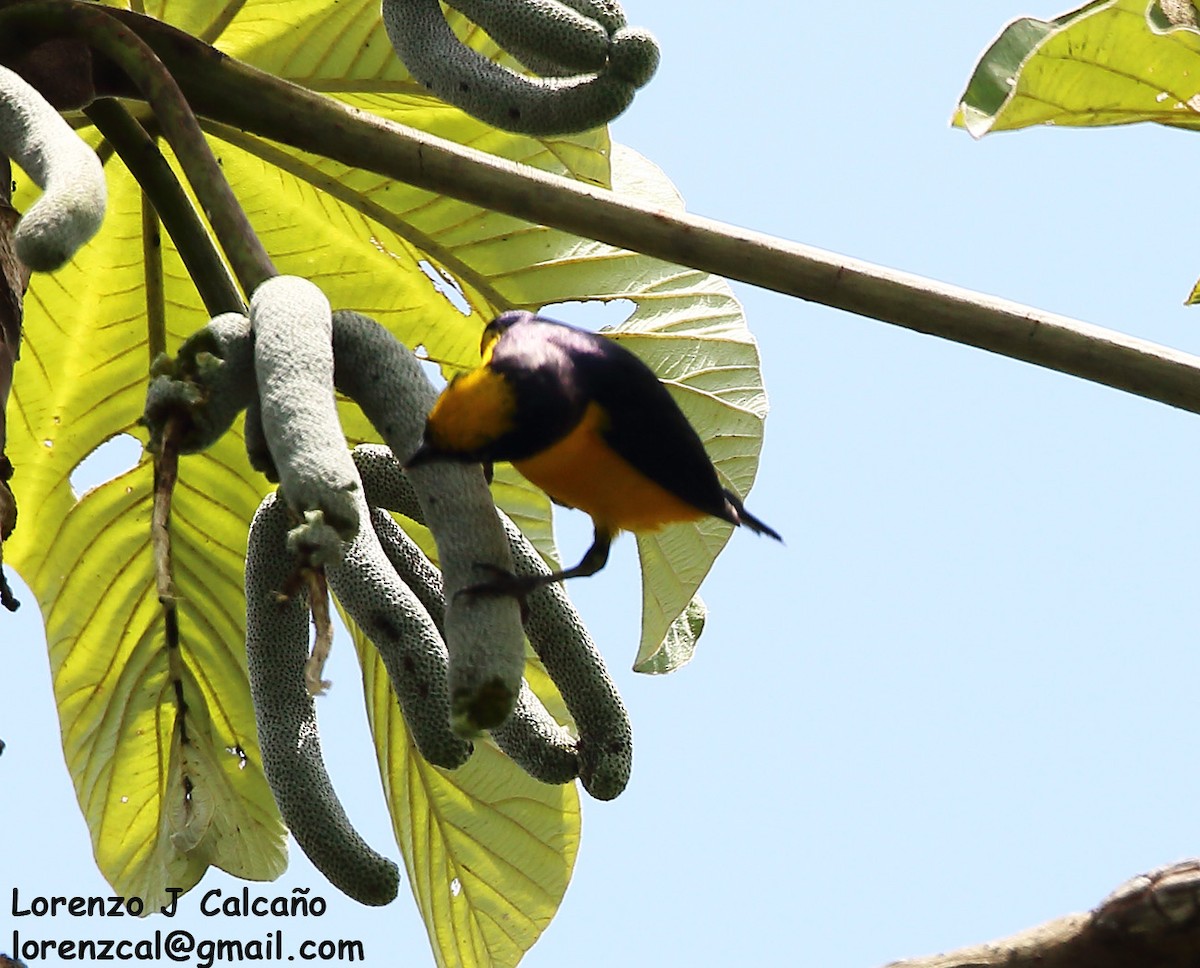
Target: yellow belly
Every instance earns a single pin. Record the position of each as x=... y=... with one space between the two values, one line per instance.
x=582 y=471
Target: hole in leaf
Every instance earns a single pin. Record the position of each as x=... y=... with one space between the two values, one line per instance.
x=431 y=368
x=108 y=461
x=593 y=314
x=455 y=887
x=447 y=285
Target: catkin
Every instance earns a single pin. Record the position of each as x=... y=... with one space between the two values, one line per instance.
x=537 y=106
x=410 y=563
x=607 y=13
x=547 y=28
x=293 y=361
x=530 y=736
x=385 y=481
x=571 y=658
x=556 y=633
x=483 y=633
x=391 y=616
x=276 y=652
x=71 y=207
x=634 y=55
x=532 y=739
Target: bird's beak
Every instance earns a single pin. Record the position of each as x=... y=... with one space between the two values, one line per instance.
x=424 y=455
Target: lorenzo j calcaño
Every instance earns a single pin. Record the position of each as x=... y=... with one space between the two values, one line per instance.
x=587 y=422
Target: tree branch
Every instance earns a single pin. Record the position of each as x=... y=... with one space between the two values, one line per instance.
x=228 y=91
x=1152 y=921
x=14 y=277
x=40 y=20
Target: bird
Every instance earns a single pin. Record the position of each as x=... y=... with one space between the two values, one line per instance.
x=585 y=420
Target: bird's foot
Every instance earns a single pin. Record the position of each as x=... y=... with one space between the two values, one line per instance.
x=504 y=582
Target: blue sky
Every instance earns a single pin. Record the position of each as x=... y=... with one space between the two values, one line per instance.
x=959 y=701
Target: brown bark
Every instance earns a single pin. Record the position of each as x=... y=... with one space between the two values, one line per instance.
x=14 y=277
x=1150 y=921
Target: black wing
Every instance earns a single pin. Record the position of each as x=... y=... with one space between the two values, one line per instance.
x=648 y=429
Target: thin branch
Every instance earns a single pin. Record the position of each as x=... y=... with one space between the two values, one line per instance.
x=41 y=19
x=152 y=272
x=233 y=93
x=318 y=599
x=187 y=230
x=166 y=473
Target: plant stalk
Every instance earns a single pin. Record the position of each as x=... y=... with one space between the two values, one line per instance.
x=152 y=172
x=234 y=93
x=108 y=35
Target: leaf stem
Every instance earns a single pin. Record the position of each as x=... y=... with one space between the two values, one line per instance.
x=153 y=173
x=37 y=19
x=234 y=93
x=152 y=272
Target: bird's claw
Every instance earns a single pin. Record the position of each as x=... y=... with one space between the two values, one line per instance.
x=502 y=582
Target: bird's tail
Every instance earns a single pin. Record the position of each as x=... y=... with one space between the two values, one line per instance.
x=748 y=520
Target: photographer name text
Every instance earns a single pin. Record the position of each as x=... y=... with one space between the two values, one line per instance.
x=213 y=903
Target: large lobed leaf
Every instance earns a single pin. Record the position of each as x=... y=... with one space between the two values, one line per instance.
x=489 y=851
x=164 y=790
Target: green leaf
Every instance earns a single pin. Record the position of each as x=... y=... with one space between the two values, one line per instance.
x=679 y=645
x=1109 y=62
x=489 y=851
x=692 y=332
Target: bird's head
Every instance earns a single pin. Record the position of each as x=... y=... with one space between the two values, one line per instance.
x=471 y=416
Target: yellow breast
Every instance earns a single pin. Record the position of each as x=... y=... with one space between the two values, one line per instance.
x=582 y=471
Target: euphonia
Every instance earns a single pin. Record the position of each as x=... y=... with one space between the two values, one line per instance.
x=586 y=421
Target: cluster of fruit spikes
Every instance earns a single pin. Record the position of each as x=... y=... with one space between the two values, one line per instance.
x=589 y=63
x=455 y=662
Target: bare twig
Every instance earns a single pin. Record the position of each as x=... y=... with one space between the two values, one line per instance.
x=166 y=473
x=318 y=598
